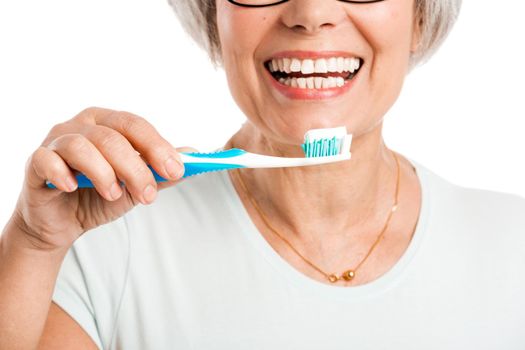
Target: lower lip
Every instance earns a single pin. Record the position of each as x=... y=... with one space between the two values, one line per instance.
x=309 y=94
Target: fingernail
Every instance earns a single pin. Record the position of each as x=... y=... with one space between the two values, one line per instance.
x=115 y=191
x=174 y=168
x=149 y=194
x=70 y=183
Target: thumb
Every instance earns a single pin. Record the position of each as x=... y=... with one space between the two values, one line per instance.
x=169 y=183
x=186 y=149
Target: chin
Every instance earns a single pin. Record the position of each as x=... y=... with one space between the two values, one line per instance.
x=300 y=123
x=293 y=130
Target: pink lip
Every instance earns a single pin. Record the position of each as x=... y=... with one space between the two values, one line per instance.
x=310 y=94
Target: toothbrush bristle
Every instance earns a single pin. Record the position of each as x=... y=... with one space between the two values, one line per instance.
x=326 y=142
x=322 y=147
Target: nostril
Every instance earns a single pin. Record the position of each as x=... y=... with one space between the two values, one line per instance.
x=312 y=29
x=327 y=25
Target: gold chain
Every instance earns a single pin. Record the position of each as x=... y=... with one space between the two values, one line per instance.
x=347 y=275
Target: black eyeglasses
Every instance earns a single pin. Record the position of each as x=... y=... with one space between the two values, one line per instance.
x=264 y=3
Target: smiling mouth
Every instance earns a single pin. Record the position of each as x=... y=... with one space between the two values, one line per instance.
x=321 y=73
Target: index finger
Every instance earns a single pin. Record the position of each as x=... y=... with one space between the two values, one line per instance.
x=145 y=139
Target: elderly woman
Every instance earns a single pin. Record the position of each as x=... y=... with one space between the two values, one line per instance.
x=376 y=252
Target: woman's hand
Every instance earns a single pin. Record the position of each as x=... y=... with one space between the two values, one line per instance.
x=102 y=144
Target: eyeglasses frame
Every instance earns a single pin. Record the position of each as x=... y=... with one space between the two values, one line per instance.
x=282 y=1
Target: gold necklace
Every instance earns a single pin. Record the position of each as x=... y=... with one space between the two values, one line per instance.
x=347 y=275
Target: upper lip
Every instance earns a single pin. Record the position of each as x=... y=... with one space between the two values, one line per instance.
x=302 y=54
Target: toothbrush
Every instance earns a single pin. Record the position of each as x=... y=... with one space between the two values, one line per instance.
x=321 y=146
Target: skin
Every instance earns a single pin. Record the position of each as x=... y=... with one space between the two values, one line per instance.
x=101 y=143
x=383 y=34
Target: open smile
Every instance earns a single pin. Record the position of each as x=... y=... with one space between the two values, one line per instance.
x=314 y=73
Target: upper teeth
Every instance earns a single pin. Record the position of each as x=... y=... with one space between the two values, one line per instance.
x=319 y=65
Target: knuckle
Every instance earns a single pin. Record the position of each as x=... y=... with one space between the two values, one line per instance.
x=76 y=143
x=54 y=132
x=32 y=159
x=90 y=110
x=37 y=154
x=112 y=140
x=141 y=173
x=37 y=158
x=43 y=164
x=158 y=152
x=56 y=129
x=88 y=114
x=130 y=122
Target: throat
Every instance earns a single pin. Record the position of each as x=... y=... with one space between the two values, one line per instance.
x=304 y=206
x=331 y=198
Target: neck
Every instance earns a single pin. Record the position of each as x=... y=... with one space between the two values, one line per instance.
x=355 y=195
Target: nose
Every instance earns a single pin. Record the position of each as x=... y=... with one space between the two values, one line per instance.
x=312 y=16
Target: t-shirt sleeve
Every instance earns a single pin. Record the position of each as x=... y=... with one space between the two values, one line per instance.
x=92 y=280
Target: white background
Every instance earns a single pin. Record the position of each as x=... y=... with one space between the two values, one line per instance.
x=461 y=115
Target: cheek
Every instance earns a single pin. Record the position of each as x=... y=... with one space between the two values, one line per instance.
x=388 y=30
x=240 y=31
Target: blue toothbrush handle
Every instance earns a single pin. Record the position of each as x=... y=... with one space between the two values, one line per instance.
x=190 y=169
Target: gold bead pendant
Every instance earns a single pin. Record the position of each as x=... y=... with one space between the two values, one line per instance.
x=333 y=278
x=348 y=275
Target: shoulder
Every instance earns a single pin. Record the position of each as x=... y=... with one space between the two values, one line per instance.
x=491 y=216
x=441 y=191
x=475 y=231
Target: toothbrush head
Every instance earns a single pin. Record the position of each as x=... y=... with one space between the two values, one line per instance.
x=326 y=142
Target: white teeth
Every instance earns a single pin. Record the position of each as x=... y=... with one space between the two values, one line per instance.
x=295 y=65
x=313 y=82
x=332 y=64
x=307 y=67
x=318 y=82
x=286 y=64
x=320 y=66
x=349 y=64
x=273 y=65
x=311 y=66
x=310 y=82
x=340 y=64
x=357 y=63
x=280 y=64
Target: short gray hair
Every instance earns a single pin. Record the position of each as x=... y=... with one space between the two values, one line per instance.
x=436 y=17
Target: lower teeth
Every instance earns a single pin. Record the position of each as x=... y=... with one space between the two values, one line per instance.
x=313 y=82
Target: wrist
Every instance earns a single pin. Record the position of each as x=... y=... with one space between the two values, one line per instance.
x=18 y=236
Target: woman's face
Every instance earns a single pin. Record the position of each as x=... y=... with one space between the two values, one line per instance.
x=312 y=36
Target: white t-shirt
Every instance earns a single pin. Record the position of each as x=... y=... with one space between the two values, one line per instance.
x=191 y=271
